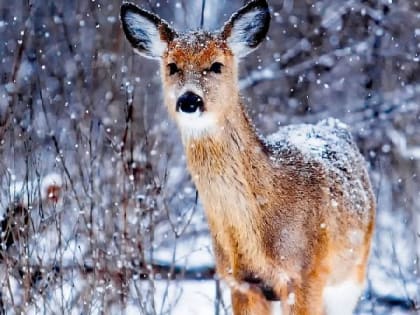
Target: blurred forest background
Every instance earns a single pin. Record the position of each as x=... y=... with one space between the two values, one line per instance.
x=98 y=214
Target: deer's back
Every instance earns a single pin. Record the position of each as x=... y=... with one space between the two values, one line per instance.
x=326 y=151
x=326 y=168
x=330 y=146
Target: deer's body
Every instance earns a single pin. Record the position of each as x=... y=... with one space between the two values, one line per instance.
x=290 y=217
x=286 y=216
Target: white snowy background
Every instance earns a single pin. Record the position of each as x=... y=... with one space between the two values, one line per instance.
x=98 y=214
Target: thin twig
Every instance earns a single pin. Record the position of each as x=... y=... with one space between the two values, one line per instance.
x=203 y=8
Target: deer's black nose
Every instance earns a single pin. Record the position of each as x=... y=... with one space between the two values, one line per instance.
x=189 y=102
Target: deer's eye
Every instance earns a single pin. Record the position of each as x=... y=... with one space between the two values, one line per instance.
x=173 y=68
x=216 y=67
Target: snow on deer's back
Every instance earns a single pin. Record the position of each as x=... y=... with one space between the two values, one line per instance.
x=330 y=144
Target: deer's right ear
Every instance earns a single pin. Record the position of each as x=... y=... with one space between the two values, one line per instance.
x=148 y=34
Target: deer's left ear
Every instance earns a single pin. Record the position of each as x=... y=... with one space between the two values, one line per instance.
x=148 y=34
x=247 y=28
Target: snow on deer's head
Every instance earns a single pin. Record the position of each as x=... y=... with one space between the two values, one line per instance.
x=198 y=69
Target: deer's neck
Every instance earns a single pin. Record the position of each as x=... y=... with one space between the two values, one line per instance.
x=233 y=145
x=230 y=167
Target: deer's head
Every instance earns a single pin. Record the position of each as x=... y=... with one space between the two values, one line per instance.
x=198 y=69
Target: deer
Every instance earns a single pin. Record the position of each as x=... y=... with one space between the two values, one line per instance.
x=291 y=216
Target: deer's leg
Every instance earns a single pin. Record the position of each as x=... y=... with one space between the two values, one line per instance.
x=342 y=299
x=307 y=298
x=249 y=302
x=223 y=265
x=307 y=304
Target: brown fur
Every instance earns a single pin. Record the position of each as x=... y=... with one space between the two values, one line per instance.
x=265 y=219
x=249 y=202
x=277 y=216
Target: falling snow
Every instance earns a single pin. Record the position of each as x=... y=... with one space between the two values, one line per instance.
x=97 y=209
